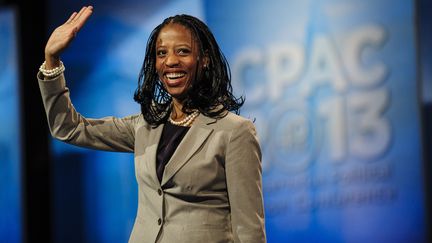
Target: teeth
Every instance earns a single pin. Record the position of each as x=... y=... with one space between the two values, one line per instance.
x=174 y=75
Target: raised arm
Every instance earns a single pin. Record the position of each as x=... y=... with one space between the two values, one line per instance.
x=65 y=123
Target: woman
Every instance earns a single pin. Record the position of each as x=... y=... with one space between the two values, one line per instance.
x=198 y=166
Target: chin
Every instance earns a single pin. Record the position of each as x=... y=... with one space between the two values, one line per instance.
x=177 y=93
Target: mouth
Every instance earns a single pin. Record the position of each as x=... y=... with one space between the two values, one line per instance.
x=175 y=75
x=174 y=78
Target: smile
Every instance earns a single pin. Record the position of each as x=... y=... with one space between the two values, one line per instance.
x=176 y=75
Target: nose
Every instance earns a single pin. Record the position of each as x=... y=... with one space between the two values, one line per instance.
x=171 y=60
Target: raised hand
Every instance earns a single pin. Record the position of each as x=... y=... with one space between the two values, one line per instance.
x=63 y=35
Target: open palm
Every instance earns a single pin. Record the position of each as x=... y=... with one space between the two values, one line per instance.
x=63 y=35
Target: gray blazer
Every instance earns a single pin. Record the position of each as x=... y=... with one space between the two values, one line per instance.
x=211 y=189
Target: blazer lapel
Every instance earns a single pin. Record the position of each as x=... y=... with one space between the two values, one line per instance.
x=190 y=144
x=153 y=139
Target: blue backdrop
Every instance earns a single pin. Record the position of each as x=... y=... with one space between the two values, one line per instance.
x=10 y=163
x=332 y=85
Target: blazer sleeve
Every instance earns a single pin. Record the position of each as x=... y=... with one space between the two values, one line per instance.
x=66 y=124
x=244 y=182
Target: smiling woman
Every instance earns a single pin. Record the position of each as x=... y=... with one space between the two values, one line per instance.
x=198 y=165
x=176 y=60
x=184 y=70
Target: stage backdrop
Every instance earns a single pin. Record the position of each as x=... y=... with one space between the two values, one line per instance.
x=10 y=152
x=331 y=85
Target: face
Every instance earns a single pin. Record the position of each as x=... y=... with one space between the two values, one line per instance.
x=176 y=59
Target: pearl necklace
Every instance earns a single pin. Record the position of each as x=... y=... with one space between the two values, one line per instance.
x=186 y=121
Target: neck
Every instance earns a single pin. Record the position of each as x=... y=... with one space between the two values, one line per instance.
x=177 y=112
x=179 y=118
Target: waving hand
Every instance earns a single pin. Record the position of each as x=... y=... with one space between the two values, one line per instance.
x=63 y=35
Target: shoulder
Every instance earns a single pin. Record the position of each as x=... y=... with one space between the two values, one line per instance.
x=229 y=122
x=242 y=135
x=234 y=120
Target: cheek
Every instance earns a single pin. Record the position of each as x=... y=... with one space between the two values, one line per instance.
x=192 y=66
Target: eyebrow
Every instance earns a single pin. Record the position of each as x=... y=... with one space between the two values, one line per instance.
x=176 y=46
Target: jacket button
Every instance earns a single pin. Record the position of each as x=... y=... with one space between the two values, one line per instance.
x=160 y=192
x=159 y=221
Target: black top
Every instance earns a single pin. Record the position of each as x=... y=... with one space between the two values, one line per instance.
x=170 y=139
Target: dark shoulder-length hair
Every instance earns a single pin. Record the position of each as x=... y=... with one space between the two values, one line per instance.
x=211 y=92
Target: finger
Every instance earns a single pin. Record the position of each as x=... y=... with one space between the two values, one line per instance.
x=83 y=13
x=79 y=13
x=71 y=17
x=83 y=18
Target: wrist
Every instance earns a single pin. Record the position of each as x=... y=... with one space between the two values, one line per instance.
x=52 y=71
x=51 y=61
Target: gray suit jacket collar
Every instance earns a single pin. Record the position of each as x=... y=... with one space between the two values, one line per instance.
x=190 y=144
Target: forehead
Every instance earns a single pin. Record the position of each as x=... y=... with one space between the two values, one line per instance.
x=175 y=33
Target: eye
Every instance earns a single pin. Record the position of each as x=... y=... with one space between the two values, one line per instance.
x=160 y=53
x=184 y=51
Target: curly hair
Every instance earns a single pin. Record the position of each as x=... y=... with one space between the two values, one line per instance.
x=211 y=92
